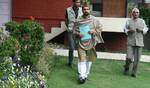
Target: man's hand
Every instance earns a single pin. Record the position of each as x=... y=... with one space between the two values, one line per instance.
x=79 y=34
x=92 y=31
x=131 y=30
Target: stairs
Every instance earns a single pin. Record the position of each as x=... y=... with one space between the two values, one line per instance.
x=55 y=31
x=109 y=25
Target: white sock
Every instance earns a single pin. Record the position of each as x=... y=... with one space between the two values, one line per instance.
x=82 y=69
x=88 y=67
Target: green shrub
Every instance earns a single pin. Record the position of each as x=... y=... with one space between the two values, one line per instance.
x=26 y=40
x=3 y=35
x=4 y=66
x=32 y=40
x=145 y=14
x=46 y=60
x=9 y=47
x=30 y=36
x=13 y=28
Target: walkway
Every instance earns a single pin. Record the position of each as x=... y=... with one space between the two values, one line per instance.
x=103 y=55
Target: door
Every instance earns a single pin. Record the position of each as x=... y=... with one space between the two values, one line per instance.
x=114 y=8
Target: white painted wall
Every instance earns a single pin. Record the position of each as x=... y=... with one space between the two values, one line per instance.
x=5 y=11
x=147 y=1
x=112 y=24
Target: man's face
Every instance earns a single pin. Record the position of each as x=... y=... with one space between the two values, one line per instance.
x=135 y=14
x=77 y=3
x=86 y=11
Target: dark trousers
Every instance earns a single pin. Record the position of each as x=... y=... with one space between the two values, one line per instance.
x=71 y=47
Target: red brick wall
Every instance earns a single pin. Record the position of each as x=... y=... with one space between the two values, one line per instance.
x=51 y=12
x=48 y=12
x=114 y=8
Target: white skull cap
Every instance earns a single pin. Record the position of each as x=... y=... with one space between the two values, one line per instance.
x=135 y=10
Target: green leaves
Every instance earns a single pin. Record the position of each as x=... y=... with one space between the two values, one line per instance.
x=9 y=47
x=12 y=26
x=145 y=14
x=30 y=37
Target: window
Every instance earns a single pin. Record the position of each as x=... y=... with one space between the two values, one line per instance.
x=147 y=1
x=97 y=7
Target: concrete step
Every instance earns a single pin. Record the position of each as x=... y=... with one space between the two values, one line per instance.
x=55 y=31
x=103 y=55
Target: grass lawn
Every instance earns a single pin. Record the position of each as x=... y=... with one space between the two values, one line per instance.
x=104 y=74
x=146 y=52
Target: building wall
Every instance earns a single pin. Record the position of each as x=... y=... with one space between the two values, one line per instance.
x=114 y=8
x=5 y=11
x=113 y=42
x=48 y=12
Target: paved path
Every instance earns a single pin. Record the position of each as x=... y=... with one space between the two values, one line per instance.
x=103 y=55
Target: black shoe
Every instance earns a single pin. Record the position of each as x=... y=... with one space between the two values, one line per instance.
x=81 y=80
x=126 y=71
x=133 y=75
x=69 y=65
x=126 y=66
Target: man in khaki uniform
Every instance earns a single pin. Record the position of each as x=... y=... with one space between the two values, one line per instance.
x=135 y=28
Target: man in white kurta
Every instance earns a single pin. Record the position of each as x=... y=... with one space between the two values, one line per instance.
x=135 y=28
x=88 y=33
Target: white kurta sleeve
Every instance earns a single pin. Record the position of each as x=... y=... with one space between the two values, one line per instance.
x=126 y=27
x=145 y=29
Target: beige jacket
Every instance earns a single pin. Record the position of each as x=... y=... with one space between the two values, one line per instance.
x=96 y=37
